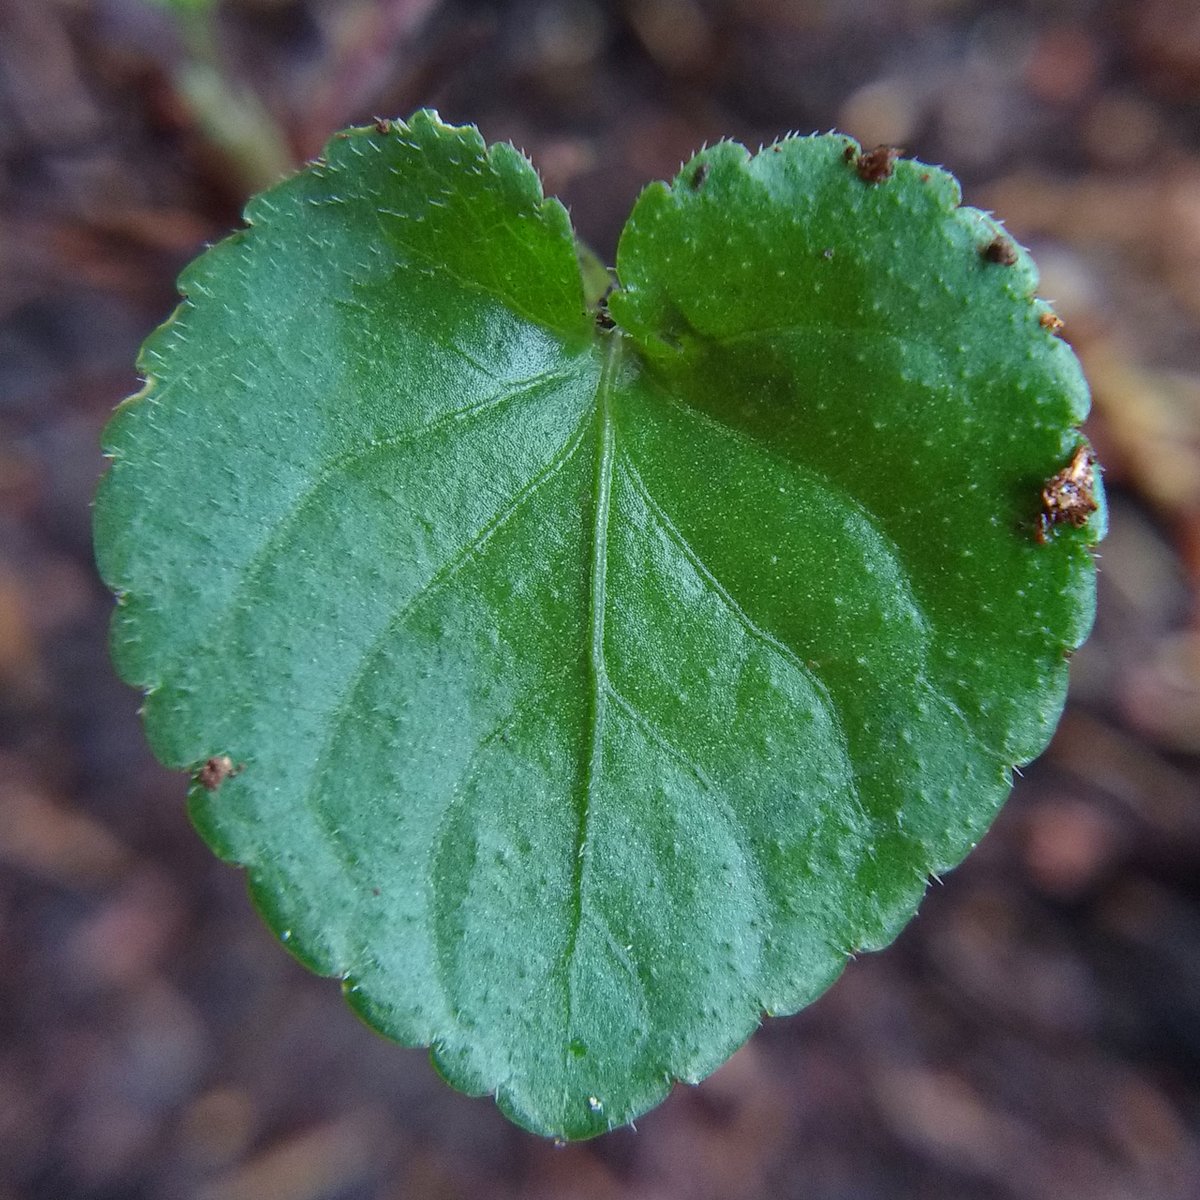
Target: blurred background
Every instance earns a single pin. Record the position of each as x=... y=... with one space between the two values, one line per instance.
x=1036 y=1031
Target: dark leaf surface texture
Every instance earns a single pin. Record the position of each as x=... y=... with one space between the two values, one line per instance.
x=594 y=688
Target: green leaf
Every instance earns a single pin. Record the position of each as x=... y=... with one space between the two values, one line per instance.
x=588 y=692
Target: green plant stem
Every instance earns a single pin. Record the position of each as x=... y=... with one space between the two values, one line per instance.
x=597 y=278
x=229 y=115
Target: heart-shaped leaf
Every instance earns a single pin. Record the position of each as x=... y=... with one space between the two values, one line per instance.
x=579 y=692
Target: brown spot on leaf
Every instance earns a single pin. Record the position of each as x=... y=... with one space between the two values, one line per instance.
x=699 y=175
x=1051 y=321
x=875 y=165
x=383 y=125
x=1068 y=497
x=1001 y=251
x=214 y=772
x=604 y=318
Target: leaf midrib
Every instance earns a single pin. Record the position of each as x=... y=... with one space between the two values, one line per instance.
x=598 y=674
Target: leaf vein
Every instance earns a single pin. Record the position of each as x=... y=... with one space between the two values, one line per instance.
x=598 y=600
x=258 y=562
x=667 y=744
x=438 y=881
x=344 y=706
x=767 y=639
